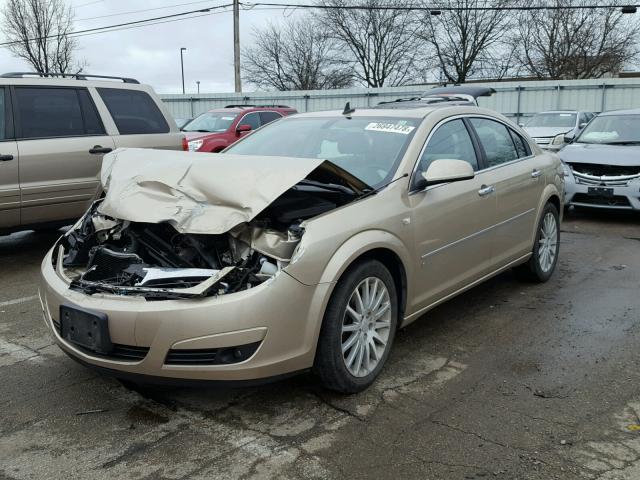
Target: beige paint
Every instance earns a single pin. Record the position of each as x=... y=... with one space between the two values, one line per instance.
x=446 y=237
x=195 y=193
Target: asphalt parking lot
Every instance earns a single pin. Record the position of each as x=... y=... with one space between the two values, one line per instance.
x=509 y=380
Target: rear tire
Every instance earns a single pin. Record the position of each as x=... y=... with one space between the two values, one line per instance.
x=546 y=248
x=358 y=328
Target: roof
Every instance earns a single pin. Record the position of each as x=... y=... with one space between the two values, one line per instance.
x=416 y=112
x=453 y=90
x=243 y=108
x=558 y=111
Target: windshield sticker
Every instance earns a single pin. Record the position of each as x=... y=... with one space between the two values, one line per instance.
x=390 y=128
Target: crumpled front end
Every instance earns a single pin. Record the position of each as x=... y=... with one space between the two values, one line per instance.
x=200 y=292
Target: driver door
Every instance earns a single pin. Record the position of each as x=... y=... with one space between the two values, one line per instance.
x=452 y=222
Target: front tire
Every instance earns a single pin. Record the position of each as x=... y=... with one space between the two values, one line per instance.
x=546 y=248
x=358 y=328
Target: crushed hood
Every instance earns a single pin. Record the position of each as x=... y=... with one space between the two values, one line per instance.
x=200 y=193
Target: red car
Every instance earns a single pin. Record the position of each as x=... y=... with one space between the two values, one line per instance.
x=215 y=130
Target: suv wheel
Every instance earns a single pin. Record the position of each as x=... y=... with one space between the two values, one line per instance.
x=543 y=262
x=358 y=328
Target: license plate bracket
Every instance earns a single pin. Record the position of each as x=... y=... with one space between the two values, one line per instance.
x=600 y=191
x=86 y=328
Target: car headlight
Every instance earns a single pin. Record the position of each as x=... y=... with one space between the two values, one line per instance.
x=558 y=139
x=195 y=145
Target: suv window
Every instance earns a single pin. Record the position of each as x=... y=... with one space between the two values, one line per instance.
x=266 y=117
x=48 y=112
x=450 y=141
x=252 y=119
x=583 y=118
x=133 y=111
x=92 y=122
x=496 y=141
x=3 y=121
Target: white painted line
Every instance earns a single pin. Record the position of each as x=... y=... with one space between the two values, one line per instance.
x=18 y=300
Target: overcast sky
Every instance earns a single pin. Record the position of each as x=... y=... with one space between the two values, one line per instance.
x=152 y=53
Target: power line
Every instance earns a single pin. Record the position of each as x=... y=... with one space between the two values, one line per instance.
x=136 y=22
x=249 y=5
x=434 y=8
x=141 y=11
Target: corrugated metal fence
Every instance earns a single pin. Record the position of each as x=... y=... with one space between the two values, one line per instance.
x=514 y=99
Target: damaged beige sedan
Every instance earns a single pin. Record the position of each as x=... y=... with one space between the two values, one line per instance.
x=305 y=246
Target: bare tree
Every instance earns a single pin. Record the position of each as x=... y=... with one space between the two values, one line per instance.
x=379 y=40
x=468 y=42
x=298 y=55
x=39 y=33
x=576 y=43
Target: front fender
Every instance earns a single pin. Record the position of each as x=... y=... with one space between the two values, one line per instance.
x=343 y=256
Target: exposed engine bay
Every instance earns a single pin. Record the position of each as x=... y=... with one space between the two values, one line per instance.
x=103 y=254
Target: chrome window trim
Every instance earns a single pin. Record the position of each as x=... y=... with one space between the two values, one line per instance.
x=488 y=169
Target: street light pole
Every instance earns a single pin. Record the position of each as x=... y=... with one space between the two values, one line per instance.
x=182 y=49
x=198 y=83
x=236 y=45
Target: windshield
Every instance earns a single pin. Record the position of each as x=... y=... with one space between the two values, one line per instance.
x=369 y=148
x=211 y=122
x=615 y=129
x=553 y=120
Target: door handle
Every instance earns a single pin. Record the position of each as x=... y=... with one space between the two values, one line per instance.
x=99 y=149
x=486 y=190
x=6 y=158
x=536 y=173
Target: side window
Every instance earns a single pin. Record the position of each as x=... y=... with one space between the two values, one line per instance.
x=48 y=112
x=496 y=141
x=583 y=118
x=252 y=119
x=3 y=118
x=522 y=147
x=133 y=111
x=266 y=117
x=450 y=141
x=92 y=123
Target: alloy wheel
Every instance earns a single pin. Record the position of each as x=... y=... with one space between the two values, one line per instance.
x=366 y=326
x=548 y=242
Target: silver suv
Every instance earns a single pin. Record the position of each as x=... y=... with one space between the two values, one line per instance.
x=54 y=132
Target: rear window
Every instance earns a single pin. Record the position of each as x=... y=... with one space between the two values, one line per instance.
x=133 y=111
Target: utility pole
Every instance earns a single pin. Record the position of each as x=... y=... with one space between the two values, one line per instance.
x=236 y=45
x=182 y=49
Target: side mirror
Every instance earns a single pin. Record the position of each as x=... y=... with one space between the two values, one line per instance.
x=445 y=171
x=244 y=127
x=521 y=124
x=569 y=137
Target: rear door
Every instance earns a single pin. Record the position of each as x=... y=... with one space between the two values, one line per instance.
x=61 y=141
x=139 y=121
x=512 y=170
x=9 y=173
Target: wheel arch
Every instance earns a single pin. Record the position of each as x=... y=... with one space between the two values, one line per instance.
x=375 y=245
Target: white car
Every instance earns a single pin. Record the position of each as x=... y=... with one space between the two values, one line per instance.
x=548 y=129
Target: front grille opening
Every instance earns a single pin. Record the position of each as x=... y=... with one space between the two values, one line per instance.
x=211 y=356
x=124 y=353
x=598 y=170
x=612 y=201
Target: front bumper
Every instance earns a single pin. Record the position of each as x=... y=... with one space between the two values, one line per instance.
x=625 y=197
x=282 y=315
